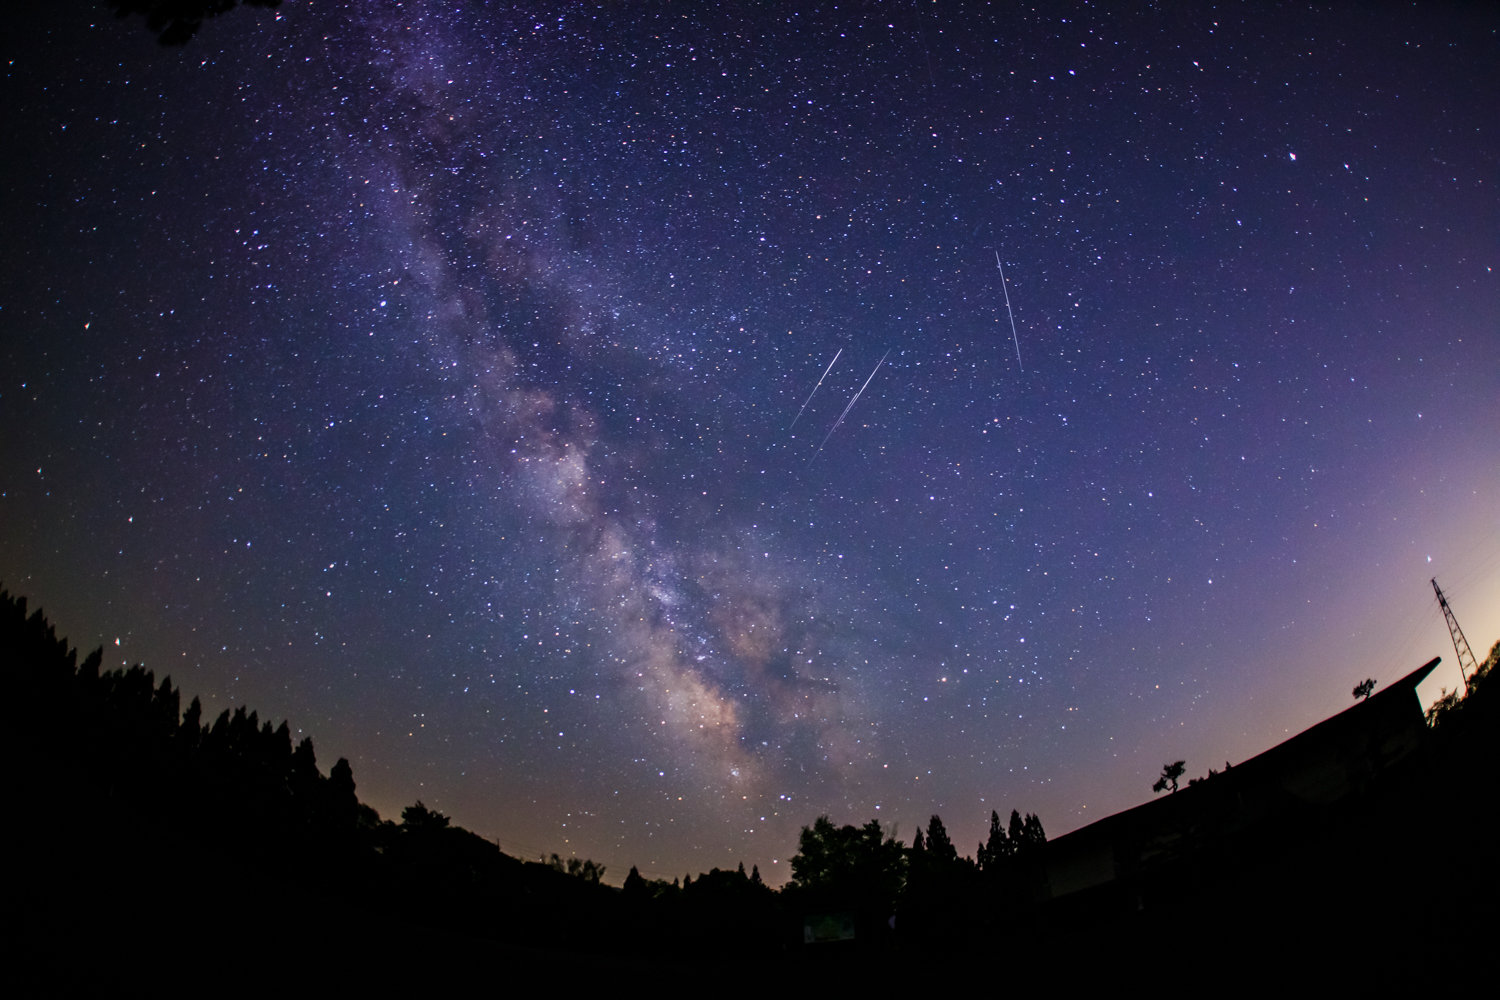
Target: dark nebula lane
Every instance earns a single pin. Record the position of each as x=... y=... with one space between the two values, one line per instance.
x=429 y=375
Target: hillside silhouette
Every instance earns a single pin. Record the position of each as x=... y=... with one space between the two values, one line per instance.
x=144 y=825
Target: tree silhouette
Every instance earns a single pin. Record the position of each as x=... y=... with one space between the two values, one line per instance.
x=1364 y=688
x=419 y=817
x=177 y=21
x=116 y=746
x=1211 y=774
x=1025 y=835
x=848 y=868
x=997 y=847
x=939 y=847
x=1032 y=834
x=239 y=790
x=1451 y=704
x=1169 y=775
x=586 y=869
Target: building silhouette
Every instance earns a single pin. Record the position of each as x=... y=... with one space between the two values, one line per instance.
x=1249 y=817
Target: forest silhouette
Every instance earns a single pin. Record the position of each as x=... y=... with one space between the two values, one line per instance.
x=141 y=814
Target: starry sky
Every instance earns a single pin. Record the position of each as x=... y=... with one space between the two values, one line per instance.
x=441 y=378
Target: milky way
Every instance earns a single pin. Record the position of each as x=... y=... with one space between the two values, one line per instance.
x=426 y=374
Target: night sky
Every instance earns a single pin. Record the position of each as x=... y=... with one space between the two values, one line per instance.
x=425 y=374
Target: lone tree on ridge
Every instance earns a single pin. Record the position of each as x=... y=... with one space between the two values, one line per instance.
x=1169 y=775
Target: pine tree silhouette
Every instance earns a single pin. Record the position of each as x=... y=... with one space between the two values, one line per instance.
x=938 y=845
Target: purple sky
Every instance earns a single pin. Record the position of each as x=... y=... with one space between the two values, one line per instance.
x=425 y=376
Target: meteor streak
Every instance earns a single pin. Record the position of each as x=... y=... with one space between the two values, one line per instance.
x=1013 y=337
x=840 y=420
x=815 y=388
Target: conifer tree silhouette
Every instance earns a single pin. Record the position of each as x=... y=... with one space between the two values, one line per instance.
x=1033 y=836
x=939 y=847
x=1017 y=830
x=996 y=847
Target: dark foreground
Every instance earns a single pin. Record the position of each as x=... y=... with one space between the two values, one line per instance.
x=139 y=862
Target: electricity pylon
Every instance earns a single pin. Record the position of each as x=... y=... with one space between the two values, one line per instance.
x=1460 y=644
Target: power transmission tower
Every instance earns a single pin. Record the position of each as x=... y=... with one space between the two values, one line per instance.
x=1460 y=644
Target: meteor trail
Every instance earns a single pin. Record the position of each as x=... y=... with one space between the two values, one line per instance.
x=1013 y=337
x=858 y=394
x=815 y=388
